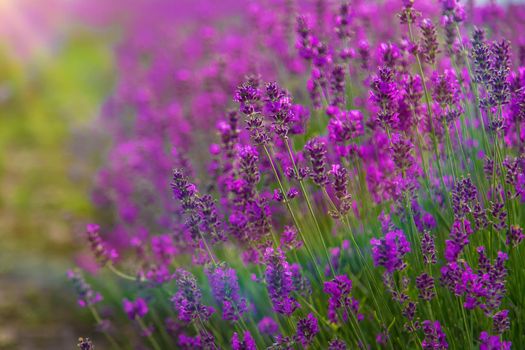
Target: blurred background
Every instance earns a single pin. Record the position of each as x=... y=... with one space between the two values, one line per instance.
x=57 y=67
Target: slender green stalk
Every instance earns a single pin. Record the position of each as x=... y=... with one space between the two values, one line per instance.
x=309 y=205
x=290 y=210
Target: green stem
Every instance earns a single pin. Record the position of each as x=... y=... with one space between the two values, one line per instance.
x=288 y=206
x=309 y=205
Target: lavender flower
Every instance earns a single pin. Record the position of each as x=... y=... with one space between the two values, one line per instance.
x=225 y=288
x=495 y=284
x=249 y=97
x=98 y=246
x=337 y=85
x=402 y=149
x=316 y=152
x=425 y=285
x=514 y=236
x=464 y=195
x=85 y=344
x=340 y=180
x=480 y=216
x=410 y=310
x=452 y=14
x=342 y=21
x=428 y=248
x=385 y=94
x=512 y=167
x=339 y=184
x=459 y=235
x=305 y=39
x=481 y=57
x=268 y=326
x=229 y=133
x=314 y=90
x=248 y=168
x=210 y=223
x=364 y=53
x=340 y=300
x=493 y=342
x=499 y=86
x=184 y=191
x=246 y=344
x=207 y=341
x=499 y=216
x=279 y=282
x=135 y=308
x=434 y=336
x=390 y=250
x=278 y=106
x=188 y=343
x=187 y=301
x=307 y=329
x=446 y=89
x=501 y=322
x=337 y=344
x=408 y=14
x=289 y=239
x=164 y=248
x=389 y=54
x=86 y=295
x=345 y=126
x=429 y=44
x=484 y=289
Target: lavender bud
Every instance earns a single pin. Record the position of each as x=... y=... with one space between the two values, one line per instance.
x=307 y=329
x=428 y=248
x=434 y=337
x=315 y=149
x=85 y=344
x=98 y=246
x=429 y=45
x=425 y=285
x=514 y=236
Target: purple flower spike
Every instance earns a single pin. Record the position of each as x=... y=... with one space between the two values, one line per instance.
x=459 y=235
x=278 y=107
x=425 y=285
x=137 y=308
x=340 y=300
x=86 y=295
x=435 y=339
x=390 y=250
x=501 y=321
x=316 y=150
x=384 y=93
x=515 y=236
x=279 y=281
x=345 y=126
x=307 y=329
x=429 y=44
x=246 y=344
x=428 y=248
x=187 y=301
x=249 y=96
x=493 y=342
x=98 y=246
x=225 y=288
x=268 y=326
x=337 y=344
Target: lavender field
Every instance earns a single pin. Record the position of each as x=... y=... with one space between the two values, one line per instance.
x=264 y=174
